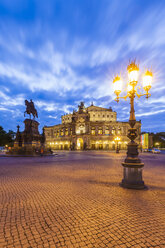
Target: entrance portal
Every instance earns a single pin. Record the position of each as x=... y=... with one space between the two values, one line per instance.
x=79 y=144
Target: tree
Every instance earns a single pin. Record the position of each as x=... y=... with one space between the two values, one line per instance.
x=2 y=136
x=160 y=139
x=6 y=138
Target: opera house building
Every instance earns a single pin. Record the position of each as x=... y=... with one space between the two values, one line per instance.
x=89 y=128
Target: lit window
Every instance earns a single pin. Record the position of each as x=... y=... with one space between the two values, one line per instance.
x=66 y=131
x=113 y=131
x=107 y=130
x=100 y=131
x=93 y=131
x=119 y=130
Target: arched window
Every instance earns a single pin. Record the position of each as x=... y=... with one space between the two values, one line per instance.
x=100 y=131
x=93 y=131
x=66 y=131
x=107 y=130
x=119 y=131
x=57 y=133
x=113 y=131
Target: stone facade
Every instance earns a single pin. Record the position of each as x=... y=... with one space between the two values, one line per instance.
x=89 y=128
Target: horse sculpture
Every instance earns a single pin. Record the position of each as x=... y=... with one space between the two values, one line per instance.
x=30 y=109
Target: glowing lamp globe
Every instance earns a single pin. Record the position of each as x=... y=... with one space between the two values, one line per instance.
x=133 y=72
x=129 y=88
x=147 y=80
x=117 y=83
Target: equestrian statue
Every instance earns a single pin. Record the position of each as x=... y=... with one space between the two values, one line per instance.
x=30 y=109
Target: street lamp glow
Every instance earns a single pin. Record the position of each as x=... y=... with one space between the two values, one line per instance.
x=133 y=72
x=117 y=84
x=132 y=165
x=147 y=80
x=129 y=88
x=157 y=144
x=117 y=139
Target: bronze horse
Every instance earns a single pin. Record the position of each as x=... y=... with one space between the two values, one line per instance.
x=30 y=109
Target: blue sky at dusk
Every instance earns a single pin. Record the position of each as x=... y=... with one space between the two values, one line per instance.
x=61 y=52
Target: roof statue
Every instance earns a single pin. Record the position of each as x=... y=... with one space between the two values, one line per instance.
x=81 y=108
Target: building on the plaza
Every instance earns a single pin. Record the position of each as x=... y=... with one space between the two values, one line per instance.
x=89 y=128
x=146 y=141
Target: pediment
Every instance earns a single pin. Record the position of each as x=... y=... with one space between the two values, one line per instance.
x=95 y=108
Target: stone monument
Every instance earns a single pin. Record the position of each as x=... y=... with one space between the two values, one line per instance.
x=30 y=141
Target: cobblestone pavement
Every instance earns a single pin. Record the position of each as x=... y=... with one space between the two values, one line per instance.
x=74 y=200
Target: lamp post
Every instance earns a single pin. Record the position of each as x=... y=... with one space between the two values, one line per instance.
x=132 y=166
x=117 y=139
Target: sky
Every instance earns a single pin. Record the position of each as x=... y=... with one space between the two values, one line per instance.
x=61 y=52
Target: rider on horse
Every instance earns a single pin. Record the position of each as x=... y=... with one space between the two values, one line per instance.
x=30 y=109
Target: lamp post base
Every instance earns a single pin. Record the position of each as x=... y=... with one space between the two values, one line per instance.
x=132 y=176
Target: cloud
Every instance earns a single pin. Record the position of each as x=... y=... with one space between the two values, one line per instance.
x=5 y=109
x=58 y=75
x=58 y=64
x=47 y=106
x=151 y=113
x=52 y=117
x=7 y=100
x=54 y=107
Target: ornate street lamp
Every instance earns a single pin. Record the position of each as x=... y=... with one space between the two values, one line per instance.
x=117 y=139
x=132 y=174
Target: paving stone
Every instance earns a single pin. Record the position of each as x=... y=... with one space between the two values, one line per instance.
x=75 y=201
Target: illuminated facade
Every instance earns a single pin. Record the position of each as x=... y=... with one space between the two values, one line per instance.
x=146 y=141
x=89 y=128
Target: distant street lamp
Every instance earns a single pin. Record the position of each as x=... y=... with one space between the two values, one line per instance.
x=132 y=176
x=117 y=139
x=157 y=144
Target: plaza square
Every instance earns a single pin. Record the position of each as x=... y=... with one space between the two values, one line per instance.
x=82 y=124
x=73 y=199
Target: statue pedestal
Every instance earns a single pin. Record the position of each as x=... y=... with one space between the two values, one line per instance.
x=30 y=136
x=29 y=142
